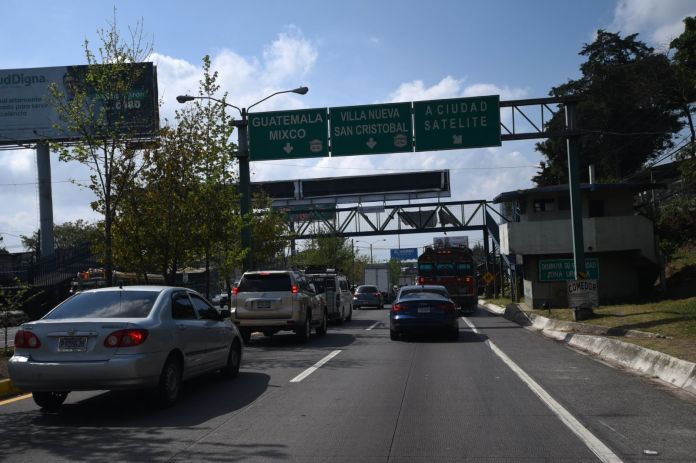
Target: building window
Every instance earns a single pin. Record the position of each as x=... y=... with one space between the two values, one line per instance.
x=596 y=208
x=542 y=205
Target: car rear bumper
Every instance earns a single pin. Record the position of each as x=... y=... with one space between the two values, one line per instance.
x=280 y=324
x=135 y=371
x=406 y=323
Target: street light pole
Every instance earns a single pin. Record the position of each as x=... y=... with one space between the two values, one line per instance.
x=370 y=244
x=243 y=159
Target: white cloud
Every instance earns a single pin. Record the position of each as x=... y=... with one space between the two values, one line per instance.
x=658 y=21
x=449 y=87
x=284 y=64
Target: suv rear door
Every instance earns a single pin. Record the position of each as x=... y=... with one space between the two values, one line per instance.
x=265 y=295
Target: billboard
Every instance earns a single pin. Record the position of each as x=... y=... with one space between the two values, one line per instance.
x=27 y=115
x=444 y=241
x=404 y=254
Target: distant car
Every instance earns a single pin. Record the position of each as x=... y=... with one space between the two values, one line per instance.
x=419 y=309
x=367 y=296
x=277 y=300
x=135 y=337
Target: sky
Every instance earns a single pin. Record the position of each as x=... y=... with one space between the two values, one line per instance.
x=348 y=53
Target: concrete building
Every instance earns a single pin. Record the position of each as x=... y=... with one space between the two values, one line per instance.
x=620 y=249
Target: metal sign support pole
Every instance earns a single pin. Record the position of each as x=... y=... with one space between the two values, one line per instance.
x=244 y=187
x=574 y=188
x=43 y=164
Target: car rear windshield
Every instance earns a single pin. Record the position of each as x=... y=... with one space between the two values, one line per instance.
x=260 y=282
x=106 y=304
x=442 y=292
x=367 y=289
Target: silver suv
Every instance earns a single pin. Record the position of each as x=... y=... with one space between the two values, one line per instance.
x=277 y=300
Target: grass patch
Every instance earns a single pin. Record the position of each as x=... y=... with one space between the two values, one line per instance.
x=673 y=318
x=500 y=301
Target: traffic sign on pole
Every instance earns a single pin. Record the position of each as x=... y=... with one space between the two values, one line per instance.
x=301 y=133
x=371 y=129
x=457 y=123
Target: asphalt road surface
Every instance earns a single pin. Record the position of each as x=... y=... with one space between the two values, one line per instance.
x=499 y=394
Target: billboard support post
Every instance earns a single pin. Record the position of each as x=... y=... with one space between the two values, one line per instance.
x=43 y=164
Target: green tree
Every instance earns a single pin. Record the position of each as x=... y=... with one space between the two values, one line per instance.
x=628 y=110
x=394 y=271
x=66 y=235
x=95 y=111
x=153 y=223
x=329 y=251
x=684 y=62
x=12 y=302
x=206 y=129
x=269 y=232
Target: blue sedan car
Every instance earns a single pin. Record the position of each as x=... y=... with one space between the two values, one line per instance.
x=422 y=309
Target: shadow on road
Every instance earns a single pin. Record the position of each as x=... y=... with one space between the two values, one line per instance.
x=125 y=426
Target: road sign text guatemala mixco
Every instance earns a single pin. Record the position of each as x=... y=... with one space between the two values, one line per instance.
x=373 y=129
x=302 y=133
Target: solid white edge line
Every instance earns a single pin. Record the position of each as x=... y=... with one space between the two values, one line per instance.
x=590 y=440
x=374 y=325
x=314 y=367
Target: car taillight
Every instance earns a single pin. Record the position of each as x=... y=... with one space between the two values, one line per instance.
x=421 y=280
x=469 y=279
x=397 y=307
x=235 y=290
x=445 y=306
x=295 y=289
x=126 y=338
x=26 y=340
x=378 y=294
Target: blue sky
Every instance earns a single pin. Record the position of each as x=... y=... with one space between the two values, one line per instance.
x=347 y=53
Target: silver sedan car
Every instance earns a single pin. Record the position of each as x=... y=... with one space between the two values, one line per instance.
x=135 y=337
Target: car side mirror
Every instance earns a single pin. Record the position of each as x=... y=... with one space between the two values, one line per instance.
x=224 y=314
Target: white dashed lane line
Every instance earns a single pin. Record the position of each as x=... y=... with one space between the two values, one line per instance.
x=314 y=367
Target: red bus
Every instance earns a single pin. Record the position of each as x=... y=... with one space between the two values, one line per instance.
x=454 y=268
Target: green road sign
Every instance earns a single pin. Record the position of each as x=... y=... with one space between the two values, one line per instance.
x=383 y=128
x=302 y=133
x=457 y=123
x=564 y=269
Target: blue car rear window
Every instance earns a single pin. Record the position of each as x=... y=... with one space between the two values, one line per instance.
x=106 y=304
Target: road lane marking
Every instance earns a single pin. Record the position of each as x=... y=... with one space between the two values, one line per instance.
x=15 y=399
x=374 y=325
x=590 y=440
x=314 y=367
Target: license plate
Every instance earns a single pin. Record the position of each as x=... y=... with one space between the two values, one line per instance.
x=423 y=309
x=72 y=344
x=263 y=304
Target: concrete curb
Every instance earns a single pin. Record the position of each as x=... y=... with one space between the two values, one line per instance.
x=7 y=389
x=677 y=372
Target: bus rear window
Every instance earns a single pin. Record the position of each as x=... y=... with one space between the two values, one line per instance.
x=426 y=269
x=465 y=269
